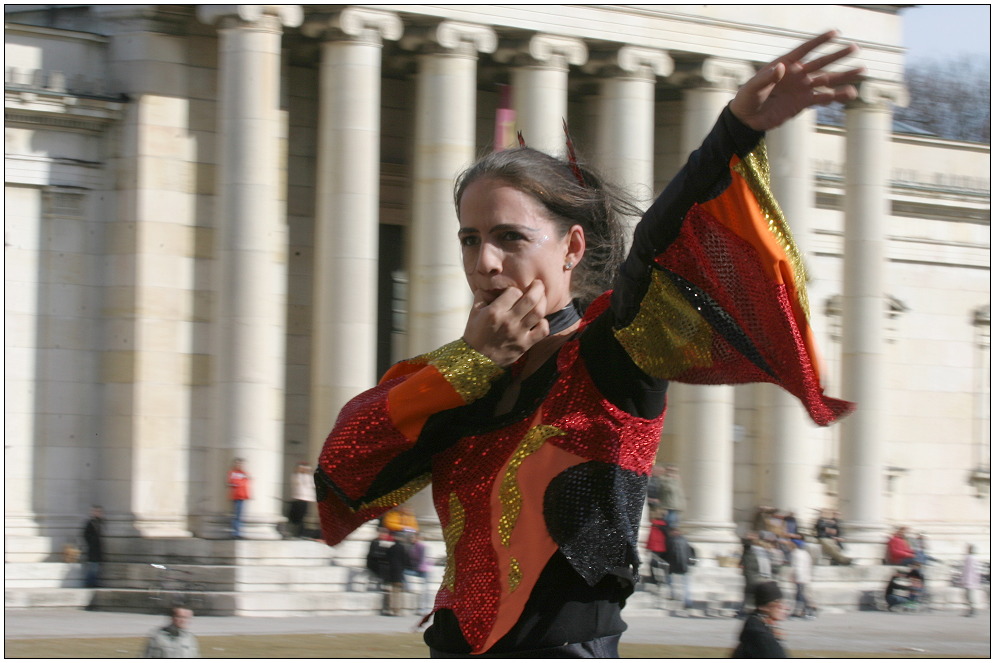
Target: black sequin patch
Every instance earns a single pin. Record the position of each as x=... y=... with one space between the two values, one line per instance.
x=592 y=511
x=720 y=320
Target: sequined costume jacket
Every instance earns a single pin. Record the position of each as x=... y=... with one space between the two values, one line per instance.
x=712 y=293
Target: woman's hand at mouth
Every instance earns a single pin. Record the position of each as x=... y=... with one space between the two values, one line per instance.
x=504 y=329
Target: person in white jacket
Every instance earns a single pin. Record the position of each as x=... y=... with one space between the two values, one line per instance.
x=970 y=579
x=801 y=575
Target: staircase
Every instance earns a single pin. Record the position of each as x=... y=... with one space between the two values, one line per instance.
x=298 y=577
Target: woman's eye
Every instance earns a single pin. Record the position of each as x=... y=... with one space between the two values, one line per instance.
x=469 y=240
x=512 y=236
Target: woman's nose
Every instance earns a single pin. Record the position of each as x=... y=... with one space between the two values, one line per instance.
x=488 y=259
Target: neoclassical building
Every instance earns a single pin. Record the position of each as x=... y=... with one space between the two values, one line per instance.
x=223 y=221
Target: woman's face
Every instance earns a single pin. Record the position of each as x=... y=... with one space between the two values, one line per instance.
x=509 y=240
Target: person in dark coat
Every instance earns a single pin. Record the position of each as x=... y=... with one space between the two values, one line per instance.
x=398 y=559
x=680 y=555
x=376 y=556
x=761 y=636
x=93 y=537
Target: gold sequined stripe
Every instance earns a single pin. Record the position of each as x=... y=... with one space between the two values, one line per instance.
x=755 y=169
x=510 y=493
x=401 y=495
x=468 y=371
x=668 y=336
x=514 y=575
x=451 y=534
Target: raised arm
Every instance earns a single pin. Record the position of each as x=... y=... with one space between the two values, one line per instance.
x=713 y=289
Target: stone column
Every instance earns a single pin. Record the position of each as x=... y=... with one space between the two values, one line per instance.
x=250 y=248
x=148 y=360
x=706 y=424
x=626 y=118
x=344 y=328
x=789 y=430
x=23 y=258
x=864 y=434
x=539 y=87
x=445 y=144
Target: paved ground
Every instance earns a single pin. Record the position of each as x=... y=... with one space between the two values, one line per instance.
x=897 y=635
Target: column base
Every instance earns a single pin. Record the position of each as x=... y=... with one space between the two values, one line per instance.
x=712 y=540
x=218 y=527
x=709 y=532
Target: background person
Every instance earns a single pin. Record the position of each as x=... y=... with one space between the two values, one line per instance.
x=680 y=556
x=301 y=495
x=970 y=579
x=761 y=634
x=93 y=539
x=898 y=591
x=899 y=552
x=672 y=499
x=173 y=640
x=801 y=575
x=238 y=493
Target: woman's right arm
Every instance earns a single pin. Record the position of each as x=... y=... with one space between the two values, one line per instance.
x=374 y=459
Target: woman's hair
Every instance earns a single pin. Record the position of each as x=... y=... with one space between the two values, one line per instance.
x=597 y=206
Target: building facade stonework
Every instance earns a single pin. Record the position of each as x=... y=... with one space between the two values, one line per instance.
x=224 y=221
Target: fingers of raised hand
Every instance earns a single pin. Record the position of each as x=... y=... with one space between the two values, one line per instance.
x=824 y=61
x=804 y=49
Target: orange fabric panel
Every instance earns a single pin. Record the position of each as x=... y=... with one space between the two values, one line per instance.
x=740 y=212
x=530 y=543
x=423 y=394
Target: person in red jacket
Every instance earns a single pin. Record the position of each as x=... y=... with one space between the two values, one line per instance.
x=656 y=544
x=899 y=552
x=238 y=492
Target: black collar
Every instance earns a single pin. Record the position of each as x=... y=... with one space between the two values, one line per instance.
x=563 y=319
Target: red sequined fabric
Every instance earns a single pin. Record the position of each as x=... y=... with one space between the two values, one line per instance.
x=756 y=310
x=589 y=427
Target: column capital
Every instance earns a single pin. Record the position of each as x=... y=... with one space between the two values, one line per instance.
x=355 y=24
x=879 y=94
x=451 y=37
x=290 y=16
x=631 y=61
x=713 y=72
x=550 y=50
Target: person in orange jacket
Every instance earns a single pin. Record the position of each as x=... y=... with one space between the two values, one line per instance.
x=238 y=492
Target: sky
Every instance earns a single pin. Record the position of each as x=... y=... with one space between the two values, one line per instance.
x=947 y=31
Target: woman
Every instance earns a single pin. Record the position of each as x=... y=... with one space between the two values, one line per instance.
x=761 y=636
x=538 y=428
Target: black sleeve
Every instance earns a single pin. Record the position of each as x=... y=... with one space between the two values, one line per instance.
x=704 y=176
x=616 y=376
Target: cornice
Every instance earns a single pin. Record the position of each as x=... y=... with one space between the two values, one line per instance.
x=60 y=110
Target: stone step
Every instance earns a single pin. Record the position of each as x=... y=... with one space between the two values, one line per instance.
x=30 y=549
x=170 y=551
x=47 y=575
x=45 y=597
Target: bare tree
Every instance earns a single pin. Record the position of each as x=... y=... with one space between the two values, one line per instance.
x=950 y=98
x=947 y=98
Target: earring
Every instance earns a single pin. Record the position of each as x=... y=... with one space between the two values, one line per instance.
x=568 y=266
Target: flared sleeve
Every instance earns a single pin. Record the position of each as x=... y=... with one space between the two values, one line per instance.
x=372 y=461
x=713 y=290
